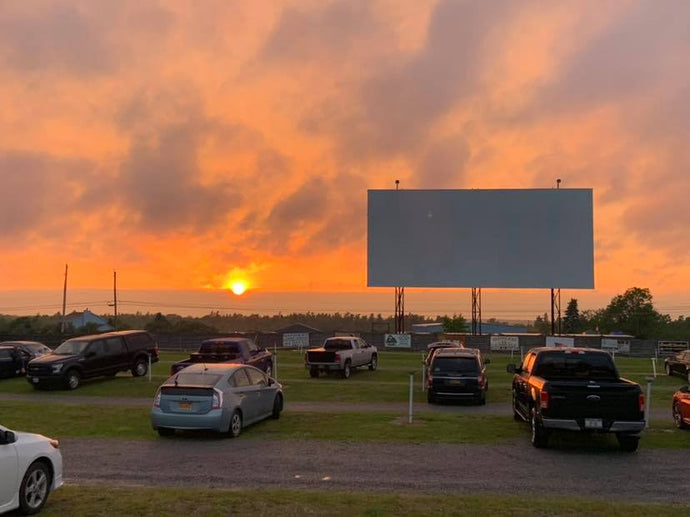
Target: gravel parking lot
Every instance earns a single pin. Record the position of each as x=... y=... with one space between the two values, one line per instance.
x=646 y=476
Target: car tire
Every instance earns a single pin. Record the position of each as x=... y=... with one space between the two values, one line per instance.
x=430 y=397
x=628 y=443
x=277 y=406
x=374 y=362
x=165 y=431
x=481 y=400
x=516 y=415
x=72 y=379
x=314 y=372
x=35 y=488
x=235 y=427
x=140 y=368
x=667 y=367
x=540 y=436
x=269 y=369
x=347 y=370
x=678 y=417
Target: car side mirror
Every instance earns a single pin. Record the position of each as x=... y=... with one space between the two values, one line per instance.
x=7 y=437
x=270 y=382
x=511 y=368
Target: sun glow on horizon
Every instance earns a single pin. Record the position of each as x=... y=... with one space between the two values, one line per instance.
x=238 y=287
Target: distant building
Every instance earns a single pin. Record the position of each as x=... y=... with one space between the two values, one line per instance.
x=79 y=320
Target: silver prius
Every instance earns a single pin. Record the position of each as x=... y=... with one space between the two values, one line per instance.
x=218 y=397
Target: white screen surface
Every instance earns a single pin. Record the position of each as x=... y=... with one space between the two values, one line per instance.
x=480 y=238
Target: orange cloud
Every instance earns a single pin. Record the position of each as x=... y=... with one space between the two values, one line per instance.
x=181 y=142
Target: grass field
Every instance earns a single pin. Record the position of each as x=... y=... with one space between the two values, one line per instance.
x=83 y=421
x=83 y=501
x=388 y=384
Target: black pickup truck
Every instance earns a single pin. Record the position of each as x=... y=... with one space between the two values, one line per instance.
x=576 y=389
x=229 y=350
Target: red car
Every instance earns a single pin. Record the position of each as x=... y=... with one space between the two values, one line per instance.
x=681 y=407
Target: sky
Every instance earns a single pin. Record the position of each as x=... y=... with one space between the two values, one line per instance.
x=189 y=144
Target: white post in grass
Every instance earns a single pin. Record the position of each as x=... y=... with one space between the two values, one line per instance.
x=149 y=366
x=654 y=366
x=648 y=402
x=409 y=417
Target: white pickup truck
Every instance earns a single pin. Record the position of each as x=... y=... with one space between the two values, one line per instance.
x=341 y=354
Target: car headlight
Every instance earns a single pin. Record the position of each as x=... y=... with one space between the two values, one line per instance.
x=57 y=368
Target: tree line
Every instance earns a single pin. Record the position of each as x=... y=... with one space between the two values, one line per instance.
x=631 y=313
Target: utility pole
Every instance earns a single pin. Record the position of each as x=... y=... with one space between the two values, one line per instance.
x=399 y=299
x=115 y=298
x=64 y=303
x=556 y=295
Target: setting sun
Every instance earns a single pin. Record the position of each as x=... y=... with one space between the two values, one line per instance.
x=238 y=287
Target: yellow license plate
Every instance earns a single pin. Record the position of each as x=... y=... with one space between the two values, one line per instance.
x=186 y=406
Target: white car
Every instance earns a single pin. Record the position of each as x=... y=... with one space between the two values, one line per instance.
x=30 y=467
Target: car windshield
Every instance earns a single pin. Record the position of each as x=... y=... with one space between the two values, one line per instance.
x=37 y=348
x=71 y=347
x=196 y=379
x=338 y=344
x=578 y=365
x=465 y=365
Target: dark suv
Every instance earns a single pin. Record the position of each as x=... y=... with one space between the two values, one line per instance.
x=93 y=356
x=457 y=374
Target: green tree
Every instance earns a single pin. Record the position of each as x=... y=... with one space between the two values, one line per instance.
x=572 y=323
x=633 y=313
x=455 y=324
x=159 y=325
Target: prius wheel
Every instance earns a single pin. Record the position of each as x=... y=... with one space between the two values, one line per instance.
x=235 y=424
x=35 y=487
x=678 y=417
x=277 y=406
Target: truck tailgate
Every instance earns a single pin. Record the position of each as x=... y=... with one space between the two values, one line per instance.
x=320 y=356
x=610 y=400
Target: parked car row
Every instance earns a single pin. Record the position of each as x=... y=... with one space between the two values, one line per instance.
x=15 y=356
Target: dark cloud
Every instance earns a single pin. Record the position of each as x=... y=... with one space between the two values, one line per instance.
x=328 y=31
x=59 y=37
x=401 y=101
x=159 y=182
x=443 y=164
x=634 y=55
x=39 y=192
x=96 y=37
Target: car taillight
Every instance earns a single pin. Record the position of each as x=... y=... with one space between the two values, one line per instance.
x=157 y=400
x=217 y=399
x=640 y=401
x=337 y=358
x=544 y=399
x=430 y=380
x=481 y=380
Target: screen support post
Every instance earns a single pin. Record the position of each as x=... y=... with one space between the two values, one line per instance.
x=476 y=311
